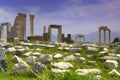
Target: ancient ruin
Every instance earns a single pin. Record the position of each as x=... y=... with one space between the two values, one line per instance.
x=8 y=25
x=31 y=25
x=59 y=37
x=104 y=28
x=79 y=38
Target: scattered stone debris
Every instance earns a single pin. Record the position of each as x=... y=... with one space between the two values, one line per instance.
x=20 y=67
x=63 y=65
x=87 y=71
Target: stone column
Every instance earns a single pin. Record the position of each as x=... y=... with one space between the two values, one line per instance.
x=109 y=36
x=49 y=33
x=2 y=32
x=44 y=29
x=99 y=35
x=104 y=36
x=59 y=35
x=31 y=25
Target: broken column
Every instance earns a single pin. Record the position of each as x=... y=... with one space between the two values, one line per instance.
x=31 y=25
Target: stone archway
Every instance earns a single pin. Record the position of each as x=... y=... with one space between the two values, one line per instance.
x=2 y=29
x=59 y=35
x=104 y=28
x=80 y=37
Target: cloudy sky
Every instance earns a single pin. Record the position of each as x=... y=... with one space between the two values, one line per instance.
x=75 y=16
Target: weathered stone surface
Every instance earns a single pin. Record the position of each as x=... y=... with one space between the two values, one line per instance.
x=36 y=54
x=90 y=56
x=58 y=56
x=28 y=54
x=31 y=59
x=16 y=59
x=69 y=58
x=108 y=58
x=63 y=65
x=2 y=54
x=60 y=48
x=11 y=49
x=67 y=48
x=45 y=59
x=87 y=71
x=92 y=49
x=91 y=63
x=111 y=64
x=38 y=67
x=114 y=72
x=57 y=71
x=76 y=54
x=81 y=59
x=75 y=49
x=20 y=67
x=3 y=65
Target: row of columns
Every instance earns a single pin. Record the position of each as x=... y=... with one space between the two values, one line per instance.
x=104 y=28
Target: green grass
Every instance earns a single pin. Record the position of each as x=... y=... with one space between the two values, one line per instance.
x=47 y=75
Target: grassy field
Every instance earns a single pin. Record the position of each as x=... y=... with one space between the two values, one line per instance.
x=71 y=75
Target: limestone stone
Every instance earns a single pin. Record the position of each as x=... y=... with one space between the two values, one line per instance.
x=69 y=58
x=28 y=54
x=58 y=55
x=45 y=59
x=111 y=64
x=11 y=49
x=3 y=65
x=92 y=49
x=114 y=72
x=90 y=56
x=108 y=58
x=60 y=48
x=63 y=65
x=67 y=48
x=87 y=71
x=16 y=59
x=75 y=49
x=57 y=71
x=31 y=59
x=20 y=67
x=76 y=54
x=91 y=63
x=2 y=54
x=3 y=62
x=36 y=54
x=38 y=67
x=81 y=59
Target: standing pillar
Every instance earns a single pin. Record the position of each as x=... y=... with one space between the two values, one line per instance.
x=104 y=36
x=44 y=29
x=49 y=33
x=31 y=25
x=59 y=35
x=109 y=36
x=2 y=32
x=99 y=35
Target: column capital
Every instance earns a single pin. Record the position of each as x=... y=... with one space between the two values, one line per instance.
x=32 y=16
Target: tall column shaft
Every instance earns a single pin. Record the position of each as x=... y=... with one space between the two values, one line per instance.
x=31 y=25
x=109 y=36
x=59 y=35
x=99 y=36
x=105 y=36
x=2 y=32
x=44 y=29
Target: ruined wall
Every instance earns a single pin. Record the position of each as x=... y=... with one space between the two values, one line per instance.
x=19 y=28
